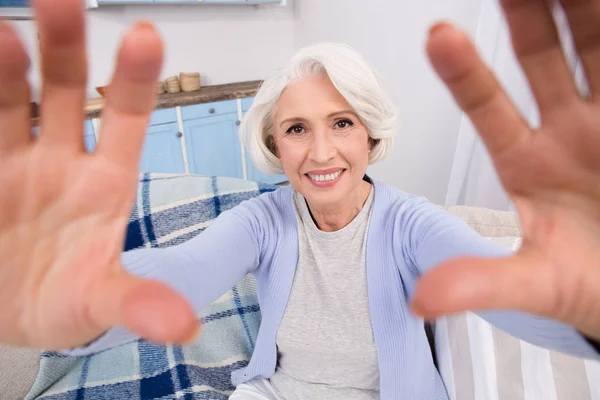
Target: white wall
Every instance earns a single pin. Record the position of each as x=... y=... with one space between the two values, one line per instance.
x=229 y=43
x=225 y=43
x=391 y=34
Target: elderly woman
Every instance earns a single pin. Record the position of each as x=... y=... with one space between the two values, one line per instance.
x=336 y=255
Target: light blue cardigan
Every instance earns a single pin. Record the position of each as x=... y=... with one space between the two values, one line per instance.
x=407 y=236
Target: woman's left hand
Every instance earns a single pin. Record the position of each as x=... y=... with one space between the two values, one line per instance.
x=552 y=174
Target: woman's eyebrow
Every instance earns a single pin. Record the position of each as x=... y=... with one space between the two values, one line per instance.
x=329 y=116
x=337 y=113
x=293 y=119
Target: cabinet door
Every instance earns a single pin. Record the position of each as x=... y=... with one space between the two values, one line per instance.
x=88 y=136
x=253 y=173
x=257 y=176
x=247 y=103
x=162 y=150
x=209 y=109
x=164 y=116
x=213 y=146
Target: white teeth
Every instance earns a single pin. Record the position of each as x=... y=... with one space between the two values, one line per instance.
x=328 y=177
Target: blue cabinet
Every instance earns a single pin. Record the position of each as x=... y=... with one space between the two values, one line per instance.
x=162 y=150
x=89 y=138
x=164 y=116
x=209 y=110
x=201 y=139
x=253 y=173
x=213 y=146
x=247 y=103
x=257 y=176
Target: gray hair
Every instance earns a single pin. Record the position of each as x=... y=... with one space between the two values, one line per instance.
x=351 y=75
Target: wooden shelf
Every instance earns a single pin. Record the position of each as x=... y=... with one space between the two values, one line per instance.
x=207 y=94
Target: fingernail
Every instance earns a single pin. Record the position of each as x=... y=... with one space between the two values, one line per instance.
x=439 y=28
x=145 y=25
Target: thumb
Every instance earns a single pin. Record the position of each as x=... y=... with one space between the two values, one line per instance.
x=471 y=284
x=148 y=308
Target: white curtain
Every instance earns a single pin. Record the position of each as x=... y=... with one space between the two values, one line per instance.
x=473 y=180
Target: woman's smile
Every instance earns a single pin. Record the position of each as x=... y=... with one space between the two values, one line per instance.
x=325 y=178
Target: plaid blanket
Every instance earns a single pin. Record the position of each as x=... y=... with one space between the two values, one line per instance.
x=169 y=209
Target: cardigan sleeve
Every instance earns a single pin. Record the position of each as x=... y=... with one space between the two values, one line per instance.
x=431 y=236
x=201 y=269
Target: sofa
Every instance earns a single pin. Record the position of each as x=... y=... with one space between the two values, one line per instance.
x=473 y=357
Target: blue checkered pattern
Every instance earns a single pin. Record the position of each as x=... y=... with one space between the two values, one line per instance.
x=170 y=209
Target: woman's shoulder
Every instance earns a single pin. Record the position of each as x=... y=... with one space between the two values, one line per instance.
x=271 y=207
x=405 y=208
x=393 y=198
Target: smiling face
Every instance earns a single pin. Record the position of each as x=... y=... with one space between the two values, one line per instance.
x=322 y=143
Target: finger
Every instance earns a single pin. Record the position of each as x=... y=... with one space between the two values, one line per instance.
x=476 y=89
x=148 y=308
x=584 y=19
x=64 y=71
x=131 y=96
x=157 y=313
x=537 y=46
x=515 y=283
x=15 y=124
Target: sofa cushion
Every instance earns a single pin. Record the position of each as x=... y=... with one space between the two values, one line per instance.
x=19 y=369
x=489 y=223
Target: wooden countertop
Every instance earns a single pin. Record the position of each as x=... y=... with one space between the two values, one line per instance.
x=206 y=94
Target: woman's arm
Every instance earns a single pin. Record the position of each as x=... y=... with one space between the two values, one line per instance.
x=432 y=236
x=201 y=269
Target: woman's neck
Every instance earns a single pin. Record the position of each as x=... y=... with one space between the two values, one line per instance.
x=334 y=219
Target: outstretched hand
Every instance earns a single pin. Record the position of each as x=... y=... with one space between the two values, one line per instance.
x=64 y=212
x=552 y=174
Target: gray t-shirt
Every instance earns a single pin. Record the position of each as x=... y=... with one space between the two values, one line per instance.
x=325 y=341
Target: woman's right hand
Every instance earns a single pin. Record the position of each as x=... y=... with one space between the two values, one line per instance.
x=63 y=211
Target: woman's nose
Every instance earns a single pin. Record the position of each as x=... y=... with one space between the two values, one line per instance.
x=322 y=148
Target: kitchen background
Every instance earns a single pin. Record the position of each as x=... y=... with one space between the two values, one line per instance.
x=229 y=43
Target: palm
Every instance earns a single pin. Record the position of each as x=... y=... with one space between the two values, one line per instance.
x=71 y=245
x=554 y=180
x=552 y=174
x=64 y=211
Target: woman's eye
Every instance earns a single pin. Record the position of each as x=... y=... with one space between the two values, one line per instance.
x=344 y=123
x=295 y=130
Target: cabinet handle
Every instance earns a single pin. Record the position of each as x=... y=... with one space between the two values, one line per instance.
x=212 y=110
x=238 y=122
x=179 y=134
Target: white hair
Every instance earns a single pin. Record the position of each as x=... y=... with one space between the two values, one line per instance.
x=351 y=75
